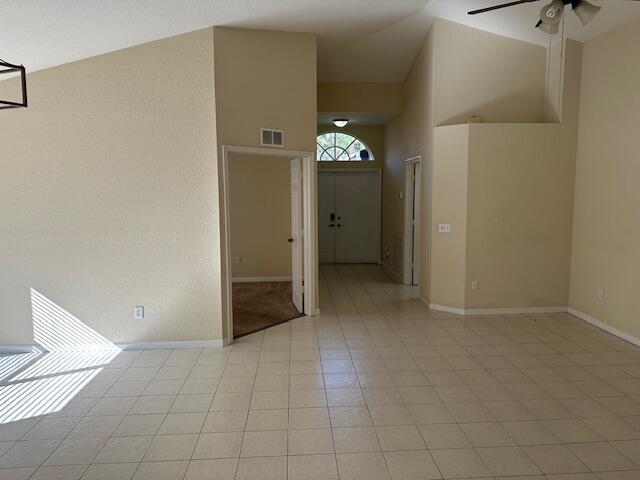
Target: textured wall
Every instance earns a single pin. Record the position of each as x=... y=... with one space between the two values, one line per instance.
x=606 y=225
x=107 y=194
x=480 y=73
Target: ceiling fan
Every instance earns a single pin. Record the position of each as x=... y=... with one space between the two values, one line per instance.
x=551 y=14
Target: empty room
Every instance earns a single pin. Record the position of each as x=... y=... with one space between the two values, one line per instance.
x=319 y=240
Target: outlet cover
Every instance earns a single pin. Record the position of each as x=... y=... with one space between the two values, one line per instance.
x=138 y=312
x=237 y=260
x=444 y=228
x=601 y=295
x=474 y=284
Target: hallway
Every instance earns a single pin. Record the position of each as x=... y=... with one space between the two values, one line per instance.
x=376 y=387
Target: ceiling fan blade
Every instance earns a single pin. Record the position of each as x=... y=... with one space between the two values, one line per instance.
x=497 y=7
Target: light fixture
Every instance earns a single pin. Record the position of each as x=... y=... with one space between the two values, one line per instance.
x=340 y=122
x=551 y=14
x=585 y=11
x=546 y=28
x=6 y=67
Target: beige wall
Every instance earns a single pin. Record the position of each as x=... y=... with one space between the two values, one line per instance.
x=520 y=201
x=458 y=72
x=255 y=88
x=448 y=250
x=406 y=136
x=260 y=210
x=479 y=73
x=606 y=227
x=107 y=194
x=366 y=99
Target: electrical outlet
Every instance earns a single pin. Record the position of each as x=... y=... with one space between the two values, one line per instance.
x=601 y=295
x=138 y=312
x=474 y=284
x=237 y=260
x=444 y=228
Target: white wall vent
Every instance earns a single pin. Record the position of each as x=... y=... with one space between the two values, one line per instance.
x=272 y=137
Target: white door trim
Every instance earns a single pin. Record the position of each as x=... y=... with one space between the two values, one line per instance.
x=297 y=235
x=411 y=241
x=309 y=224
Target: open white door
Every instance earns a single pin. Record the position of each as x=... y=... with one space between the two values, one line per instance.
x=296 y=233
x=411 y=268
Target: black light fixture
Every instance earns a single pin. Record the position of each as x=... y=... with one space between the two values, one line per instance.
x=6 y=67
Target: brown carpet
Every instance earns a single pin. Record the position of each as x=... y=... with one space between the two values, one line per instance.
x=257 y=306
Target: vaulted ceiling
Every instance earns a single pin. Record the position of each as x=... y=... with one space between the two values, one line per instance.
x=358 y=40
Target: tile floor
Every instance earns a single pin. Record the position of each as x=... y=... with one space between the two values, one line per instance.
x=375 y=388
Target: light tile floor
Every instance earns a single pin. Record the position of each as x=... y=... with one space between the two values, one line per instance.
x=377 y=387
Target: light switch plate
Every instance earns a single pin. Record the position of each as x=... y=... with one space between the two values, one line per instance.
x=138 y=312
x=444 y=228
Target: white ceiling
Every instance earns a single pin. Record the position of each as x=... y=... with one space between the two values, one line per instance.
x=359 y=40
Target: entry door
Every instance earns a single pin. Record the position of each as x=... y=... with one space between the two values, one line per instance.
x=326 y=217
x=349 y=212
x=296 y=233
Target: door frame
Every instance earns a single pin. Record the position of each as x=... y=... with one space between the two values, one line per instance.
x=309 y=225
x=411 y=241
x=379 y=206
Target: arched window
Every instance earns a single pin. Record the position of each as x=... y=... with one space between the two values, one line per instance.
x=342 y=147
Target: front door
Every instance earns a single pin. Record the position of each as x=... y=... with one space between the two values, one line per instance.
x=349 y=216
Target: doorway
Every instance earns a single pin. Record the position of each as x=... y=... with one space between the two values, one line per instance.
x=267 y=211
x=349 y=216
x=411 y=270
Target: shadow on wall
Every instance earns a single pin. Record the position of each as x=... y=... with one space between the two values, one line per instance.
x=501 y=110
x=69 y=356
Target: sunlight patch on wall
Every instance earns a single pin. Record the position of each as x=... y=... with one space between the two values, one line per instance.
x=57 y=330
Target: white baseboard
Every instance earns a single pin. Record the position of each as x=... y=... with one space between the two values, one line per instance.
x=171 y=344
x=387 y=268
x=445 y=308
x=260 y=279
x=514 y=311
x=605 y=326
x=496 y=311
x=16 y=349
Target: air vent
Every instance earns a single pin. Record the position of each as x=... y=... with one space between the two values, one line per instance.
x=271 y=137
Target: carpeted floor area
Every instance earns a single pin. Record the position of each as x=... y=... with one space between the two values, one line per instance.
x=260 y=305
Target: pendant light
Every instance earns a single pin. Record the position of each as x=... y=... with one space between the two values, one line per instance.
x=585 y=11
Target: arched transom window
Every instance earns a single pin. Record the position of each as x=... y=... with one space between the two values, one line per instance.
x=342 y=147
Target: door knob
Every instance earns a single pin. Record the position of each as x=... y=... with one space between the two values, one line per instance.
x=331 y=225
x=290 y=240
x=339 y=225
